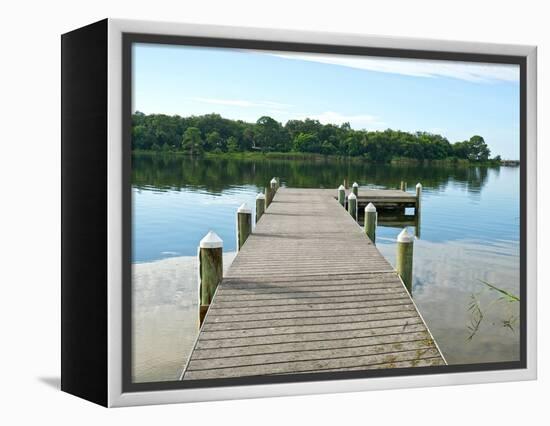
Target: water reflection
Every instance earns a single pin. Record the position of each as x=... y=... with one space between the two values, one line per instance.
x=215 y=175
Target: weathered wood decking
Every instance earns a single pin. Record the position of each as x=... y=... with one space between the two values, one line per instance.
x=309 y=292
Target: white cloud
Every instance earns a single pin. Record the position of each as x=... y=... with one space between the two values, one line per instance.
x=242 y=103
x=468 y=71
x=282 y=112
x=357 y=121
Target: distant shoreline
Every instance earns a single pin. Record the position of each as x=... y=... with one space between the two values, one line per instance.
x=273 y=155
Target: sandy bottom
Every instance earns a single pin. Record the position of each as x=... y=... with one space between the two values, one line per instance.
x=164 y=316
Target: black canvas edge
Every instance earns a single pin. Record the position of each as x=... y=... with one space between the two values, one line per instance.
x=84 y=76
x=129 y=38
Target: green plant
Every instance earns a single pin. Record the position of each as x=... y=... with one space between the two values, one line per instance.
x=477 y=311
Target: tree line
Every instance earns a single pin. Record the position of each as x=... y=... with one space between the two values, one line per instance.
x=196 y=135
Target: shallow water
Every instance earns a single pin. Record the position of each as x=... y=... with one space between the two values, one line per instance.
x=165 y=316
x=469 y=232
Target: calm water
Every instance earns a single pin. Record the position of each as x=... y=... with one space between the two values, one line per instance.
x=469 y=232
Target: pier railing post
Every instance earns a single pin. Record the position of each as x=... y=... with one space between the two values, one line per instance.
x=268 y=196
x=244 y=224
x=418 y=197
x=352 y=205
x=210 y=270
x=355 y=188
x=260 y=206
x=371 y=218
x=342 y=195
x=404 y=258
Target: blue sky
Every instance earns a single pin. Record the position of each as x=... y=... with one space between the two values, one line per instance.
x=454 y=99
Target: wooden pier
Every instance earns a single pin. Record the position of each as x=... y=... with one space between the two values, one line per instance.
x=385 y=199
x=309 y=292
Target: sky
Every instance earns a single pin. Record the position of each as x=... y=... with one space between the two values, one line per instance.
x=454 y=99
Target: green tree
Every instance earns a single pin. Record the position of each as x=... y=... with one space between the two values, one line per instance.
x=478 y=149
x=354 y=144
x=306 y=142
x=142 y=137
x=328 y=148
x=232 y=144
x=269 y=135
x=378 y=148
x=474 y=149
x=213 y=141
x=192 y=141
x=309 y=126
x=246 y=142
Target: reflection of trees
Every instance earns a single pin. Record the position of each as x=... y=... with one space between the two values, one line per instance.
x=475 y=178
x=217 y=174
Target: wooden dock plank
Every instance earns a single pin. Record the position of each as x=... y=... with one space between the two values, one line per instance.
x=310 y=292
x=309 y=301
x=313 y=364
x=339 y=352
x=337 y=343
x=302 y=322
x=274 y=339
x=265 y=316
x=311 y=307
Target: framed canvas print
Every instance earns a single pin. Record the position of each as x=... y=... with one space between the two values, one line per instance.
x=251 y=212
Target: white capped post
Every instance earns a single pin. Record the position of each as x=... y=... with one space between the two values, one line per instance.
x=418 y=197
x=404 y=259
x=342 y=195
x=260 y=206
x=355 y=188
x=371 y=219
x=352 y=205
x=268 y=196
x=211 y=240
x=244 y=224
x=210 y=270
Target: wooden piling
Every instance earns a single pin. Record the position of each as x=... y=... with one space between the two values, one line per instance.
x=268 y=196
x=371 y=218
x=418 y=197
x=342 y=195
x=210 y=270
x=244 y=224
x=403 y=185
x=404 y=259
x=273 y=185
x=417 y=225
x=260 y=206
x=352 y=205
x=355 y=188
